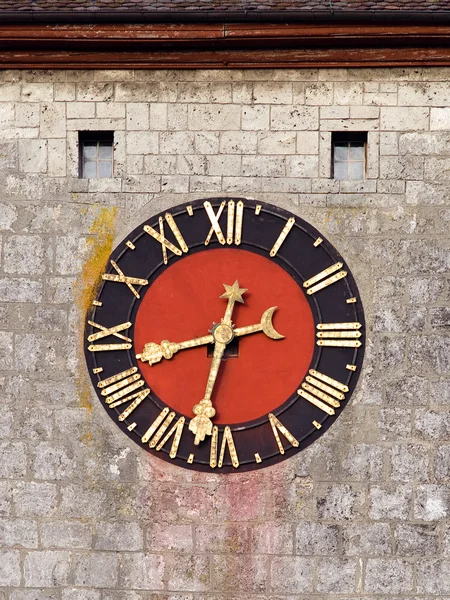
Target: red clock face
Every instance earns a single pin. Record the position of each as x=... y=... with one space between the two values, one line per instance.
x=184 y=302
x=227 y=334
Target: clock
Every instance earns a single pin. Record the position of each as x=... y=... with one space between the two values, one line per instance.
x=225 y=334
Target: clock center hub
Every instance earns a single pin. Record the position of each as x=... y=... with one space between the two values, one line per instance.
x=223 y=333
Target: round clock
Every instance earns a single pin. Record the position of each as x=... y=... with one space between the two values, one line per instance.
x=225 y=334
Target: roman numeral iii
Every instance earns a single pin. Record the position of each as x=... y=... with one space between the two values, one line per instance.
x=343 y=335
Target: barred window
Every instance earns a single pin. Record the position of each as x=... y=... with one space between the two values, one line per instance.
x=349 y=155
x=96 y=154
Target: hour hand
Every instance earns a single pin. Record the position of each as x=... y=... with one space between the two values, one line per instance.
x=154 y=353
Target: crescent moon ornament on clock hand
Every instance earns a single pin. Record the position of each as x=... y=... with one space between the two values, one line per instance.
x=154 y=353
x=221 y=335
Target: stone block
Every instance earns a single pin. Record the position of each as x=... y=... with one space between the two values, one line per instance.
x=432 y=576
x=97 y=569
x=412 y=390
x=410 y=462
x=432 y=425
x=57 y=158
x=164 y=537
x=223 y=164
x=80 y=594
x=263 y=166
x=442 y=463
x=291 y=575
x=415 y=539
x=27 y=115
x=189 y=572
x=319 y=93
x=32 y=499
x=80 y=110
x=431 y=502
x=53 y=120
x=158 y=115
x=175 y=184
x=437 y=169
x=138 y=116
x=429 y=354
x=10 y=568
x=255 y=118
x=177 y=117
x=390 y=502
x=176 y=142
x=340 y=502
x=334 y=112
x=65 y=534
x=95 y=92
x=389 y=576
x=142 y=142
x=367 y=539
x=37 y=92
x=141 y=571
x=214 y=117
x=120 y=536
x=439 y=119
x=33 y=156
x=269 y=538
x=13 y=455
x=239 y=142
x=64 y=92
x=18 y=533
x=337 y=575
x=363 y=462
x=53 y=462
x=312 y=539
x=423 y=94
x=46 y=568
x=272 y=93
x=208 y=142
x=294 y=118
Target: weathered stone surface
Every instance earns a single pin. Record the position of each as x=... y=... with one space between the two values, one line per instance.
x=361 y=513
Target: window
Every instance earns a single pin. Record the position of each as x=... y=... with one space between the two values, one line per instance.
x=349 y=155
x=96 y=154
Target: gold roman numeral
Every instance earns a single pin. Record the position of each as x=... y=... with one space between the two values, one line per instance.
x=343 y=335
x=159 y=427
x=106 y=331
x=120 y=389
x=176 y=429
x=277 y=426
x=227 y=440
x=323 y=391
x=122 y=278
x=160 y=237
x=321 y=276
x=283 y=235
x=235 y=217
x=139 y=397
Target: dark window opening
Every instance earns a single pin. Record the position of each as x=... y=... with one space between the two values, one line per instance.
x=349 y=155
x=231 y=349
x=96 y=154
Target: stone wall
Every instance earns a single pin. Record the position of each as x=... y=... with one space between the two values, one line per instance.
x=363 y=513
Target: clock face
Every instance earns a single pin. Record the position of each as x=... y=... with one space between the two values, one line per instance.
x=226 y=334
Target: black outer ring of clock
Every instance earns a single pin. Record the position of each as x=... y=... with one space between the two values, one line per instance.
x=300 y=258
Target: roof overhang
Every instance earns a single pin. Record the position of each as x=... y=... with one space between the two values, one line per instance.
x=257 y=39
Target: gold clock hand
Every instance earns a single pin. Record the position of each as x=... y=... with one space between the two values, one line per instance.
x=154 y=353
x=201 y=424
